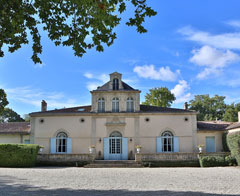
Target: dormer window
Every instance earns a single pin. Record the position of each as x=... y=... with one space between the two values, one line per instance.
x=130 y=104
x=101 y=105
x=115 y=104
x=115 y=84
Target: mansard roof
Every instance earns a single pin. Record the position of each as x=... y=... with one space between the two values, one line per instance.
x=15 y=128
x=105 y=87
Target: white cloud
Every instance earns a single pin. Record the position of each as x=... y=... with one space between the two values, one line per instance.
x=234 y=23
x=180 y=92
x=225 y=40
x=34 y=97
x=213 y=60
x=163 y=73
x=38 y=65
x=99 y=80
x=88 y=75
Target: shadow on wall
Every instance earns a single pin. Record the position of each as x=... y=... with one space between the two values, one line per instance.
x=8 y=187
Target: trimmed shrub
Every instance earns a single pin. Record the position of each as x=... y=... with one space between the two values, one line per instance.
x=18 y=155
x=224 y=142
x=171 y=164
x=233 y=141
x=216 y=161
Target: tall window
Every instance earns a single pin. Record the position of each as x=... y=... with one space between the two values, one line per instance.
x=115 y=142
x=130 y=104
x=167 y=141
x=61 y=143
x=115 y=104
x=115 y=84
x=101 y=105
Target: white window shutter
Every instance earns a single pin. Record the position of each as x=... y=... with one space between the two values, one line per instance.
x=53 y=145
x=176 y=144
x=159 y=144
x=69 y=145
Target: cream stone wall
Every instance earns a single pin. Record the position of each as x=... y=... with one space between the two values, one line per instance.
x=108 y=96
x=234 y=130
x=13 y=138
x=218 y=139
x=132 y=126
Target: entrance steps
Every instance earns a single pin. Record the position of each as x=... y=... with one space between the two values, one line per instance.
x=113 y=164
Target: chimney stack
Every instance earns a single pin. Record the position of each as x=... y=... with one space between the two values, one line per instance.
x=185 y=106
x=44 y=106
x=238 y=116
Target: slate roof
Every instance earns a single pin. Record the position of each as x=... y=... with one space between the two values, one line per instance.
x=148 y=108
x=234 y=126
x=105 y=87
x=15 y=128
x=212 y=125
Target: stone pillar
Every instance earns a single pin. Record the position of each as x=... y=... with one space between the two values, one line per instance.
x=238 y=116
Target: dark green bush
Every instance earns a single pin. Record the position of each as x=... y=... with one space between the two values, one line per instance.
x=171 y=164
x=233 y=141
x=18 y=155
x=224 y=142
x=216 y=161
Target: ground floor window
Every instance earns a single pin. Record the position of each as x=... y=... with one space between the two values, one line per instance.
x=61 y=142
x=167 y=142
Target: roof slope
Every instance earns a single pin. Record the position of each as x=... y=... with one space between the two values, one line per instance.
x=234 y=126
x=212 y=125
x=15 y=128
x=149 y=108
x=105 y=87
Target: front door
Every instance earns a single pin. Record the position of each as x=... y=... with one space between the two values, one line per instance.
x=115 y=148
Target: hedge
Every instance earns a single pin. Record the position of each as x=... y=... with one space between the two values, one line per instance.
x=224 y=142
x=171 y=164
x=233 y=141
x=217 y=160
x=18 y=155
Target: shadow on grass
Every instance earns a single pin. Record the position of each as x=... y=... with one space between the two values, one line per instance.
x=9 y=187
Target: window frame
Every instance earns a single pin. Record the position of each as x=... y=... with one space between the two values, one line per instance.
x=115 y=84
x=101 y=104
x=167 y=141
x=61 y=142
x=130 y=104
x=115 y=104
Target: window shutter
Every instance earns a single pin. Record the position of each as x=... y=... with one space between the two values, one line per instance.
x=159 y=144
x=106 y=148
x=53 y=145
x=175 y=144
x=69 y=145
x=124 y=148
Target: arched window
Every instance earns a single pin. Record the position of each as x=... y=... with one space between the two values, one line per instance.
x=61 y=142
x=115 y=134
x=167 y=141
x=115 y=84
x=115 y=104
x=101 y=105
x=130 y=107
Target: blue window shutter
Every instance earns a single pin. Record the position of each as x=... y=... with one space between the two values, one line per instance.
x=106 y=148
x=210 y=144
x=124 y=148
x=175 y=144
x=53 y=146
x=69 y=145
x=159 y=144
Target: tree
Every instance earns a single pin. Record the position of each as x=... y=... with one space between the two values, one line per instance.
x=3 y=100
x=231 y=113
x=208 y=108
x=81 y=24
x=26 y=117
x=159 y=97
x=9 y=115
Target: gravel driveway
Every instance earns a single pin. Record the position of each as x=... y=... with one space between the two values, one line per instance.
x=120 y=181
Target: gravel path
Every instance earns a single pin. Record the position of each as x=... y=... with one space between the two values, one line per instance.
x=120 y=181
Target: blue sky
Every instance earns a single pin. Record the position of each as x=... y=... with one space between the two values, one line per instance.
x=192 y=47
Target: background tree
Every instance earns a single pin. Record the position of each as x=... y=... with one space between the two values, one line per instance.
x=9 y=115
x=81 y=24
x=231 y=112
x=26 y=117
x=209 y=108
x=3 y=100
x=159 y=97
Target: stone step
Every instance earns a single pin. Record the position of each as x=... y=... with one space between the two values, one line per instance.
x=113 y=164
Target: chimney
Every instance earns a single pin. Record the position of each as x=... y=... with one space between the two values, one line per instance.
x=44 y=106
x=238 y=116
x=185 y=106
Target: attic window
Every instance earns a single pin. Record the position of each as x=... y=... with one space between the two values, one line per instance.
x=115 y=84
x=147 y=119
x=80 y=109
x=82 y=120
x=186 y=119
